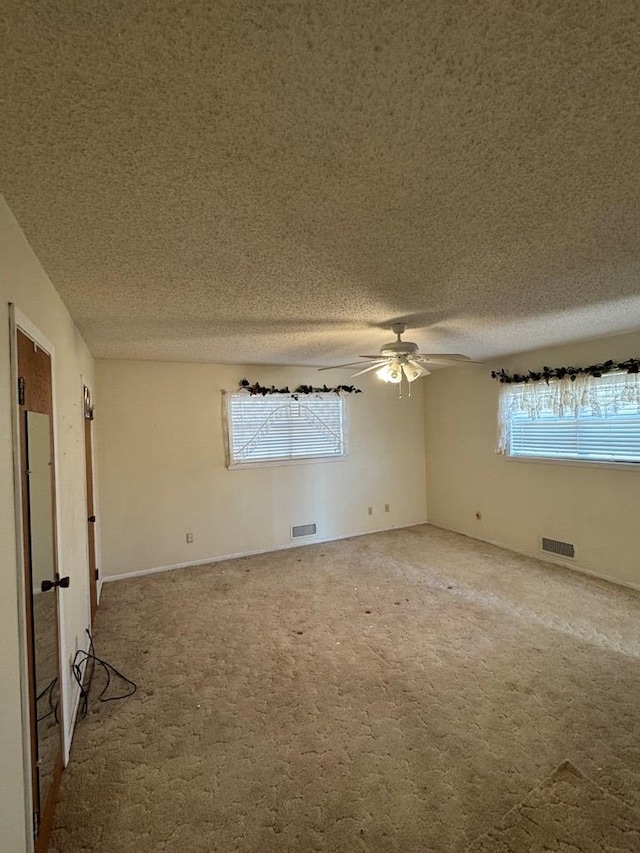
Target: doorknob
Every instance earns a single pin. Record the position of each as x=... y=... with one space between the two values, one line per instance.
x=47 y=585
x=91 y=518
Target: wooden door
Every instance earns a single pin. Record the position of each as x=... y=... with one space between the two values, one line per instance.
x=41 y=579
x=91 y=518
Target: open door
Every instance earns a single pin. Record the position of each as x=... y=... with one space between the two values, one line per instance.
x=42 y=581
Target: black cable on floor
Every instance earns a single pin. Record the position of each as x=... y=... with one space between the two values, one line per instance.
x=82 y=658
x=53 y=708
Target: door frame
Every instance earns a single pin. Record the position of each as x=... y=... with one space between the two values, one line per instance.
x=85 y=383
x=17 y=320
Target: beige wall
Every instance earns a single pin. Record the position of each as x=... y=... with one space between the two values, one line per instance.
x=594 y=507
x=24 y=282
x=162 y=473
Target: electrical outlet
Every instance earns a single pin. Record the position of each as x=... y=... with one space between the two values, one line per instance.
x=386 y=507
x=370 y=510
x=189 y=538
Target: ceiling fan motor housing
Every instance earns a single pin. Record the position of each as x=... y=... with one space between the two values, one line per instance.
x=399 y=348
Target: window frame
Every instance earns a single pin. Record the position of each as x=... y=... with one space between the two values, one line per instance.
x=571 y=461
x=232 y=465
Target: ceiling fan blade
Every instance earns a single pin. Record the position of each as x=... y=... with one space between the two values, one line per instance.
x=376 y=366
x=336 y=366
x=451 y=358
x=453 y=355
x=378 y=357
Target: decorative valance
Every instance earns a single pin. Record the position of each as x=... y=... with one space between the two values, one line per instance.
x=263 y=390
x=631 y=365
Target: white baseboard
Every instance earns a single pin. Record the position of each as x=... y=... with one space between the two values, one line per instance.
x=543 y=556
x=286 y=546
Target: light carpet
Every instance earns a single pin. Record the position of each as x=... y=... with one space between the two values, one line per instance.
x=567 y=812
x=400 y=691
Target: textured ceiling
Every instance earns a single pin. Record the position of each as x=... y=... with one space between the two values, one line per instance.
x=273 y=181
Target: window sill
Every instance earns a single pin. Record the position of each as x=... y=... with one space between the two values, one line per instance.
x=278 y=463
x=575 y=463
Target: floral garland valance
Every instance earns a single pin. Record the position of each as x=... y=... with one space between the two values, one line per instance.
x=631 y=365
x=263 y=390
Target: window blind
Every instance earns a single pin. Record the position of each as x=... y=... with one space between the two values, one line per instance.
x=611 y=438
x=280 y=429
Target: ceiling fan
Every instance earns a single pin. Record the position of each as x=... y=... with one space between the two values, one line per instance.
x=399 y=359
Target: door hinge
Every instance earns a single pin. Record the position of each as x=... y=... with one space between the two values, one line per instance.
x=97 y=574
x=36 y=824
x=21 y=387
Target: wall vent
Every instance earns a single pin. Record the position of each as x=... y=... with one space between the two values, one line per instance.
x=298 y=530
x=562 y=549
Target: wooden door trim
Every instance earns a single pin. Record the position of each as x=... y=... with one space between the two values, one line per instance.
x=90 y=492
x=49 y=810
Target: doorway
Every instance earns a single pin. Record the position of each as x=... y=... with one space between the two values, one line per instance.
x=42 y=584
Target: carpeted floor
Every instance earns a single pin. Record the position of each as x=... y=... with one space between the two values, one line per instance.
x=568 y=811
x=404 y=691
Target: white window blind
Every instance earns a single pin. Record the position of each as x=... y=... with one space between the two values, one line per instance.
x=599 y=422
x=278 y=428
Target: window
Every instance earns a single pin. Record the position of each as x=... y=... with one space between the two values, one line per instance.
x=589 y=419
x=281 y=429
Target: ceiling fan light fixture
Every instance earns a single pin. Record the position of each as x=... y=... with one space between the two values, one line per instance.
x=391 y=372
x=413 y=371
